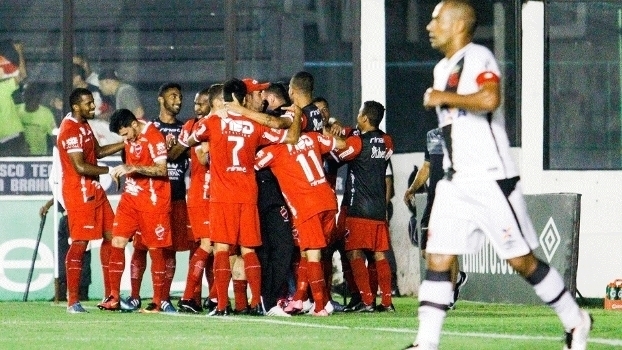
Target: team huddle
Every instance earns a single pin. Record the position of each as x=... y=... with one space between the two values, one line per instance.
x=260 y=207
x=261 y=203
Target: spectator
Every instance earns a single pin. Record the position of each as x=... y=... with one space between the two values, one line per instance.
x=12 y=72
x=38 y=120
x=125 y=95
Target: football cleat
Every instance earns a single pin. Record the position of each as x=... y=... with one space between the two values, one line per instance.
x=293 y=307
x=382 y=308
x=209 y=305
x=354 y=300
x=421 y=347
x=136 y=303
x=277 y=311
x=361 y=307
x=321 y=313
x=167 y=307
x=151 y=308
x=307 y=306
x=76 y=308
x=189 y=305
x=216 y=313
x=109 y=304
x=336 y=306
x=576 y=339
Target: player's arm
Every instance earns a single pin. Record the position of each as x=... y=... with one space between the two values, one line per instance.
x=423 y=174
x=487 y=98
x=104 y=151
x=265 y=119
x=156 y=170
x=202 y=152
x=293 y=132
x=84 y=168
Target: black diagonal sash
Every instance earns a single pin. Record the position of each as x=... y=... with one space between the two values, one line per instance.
x=451 y=86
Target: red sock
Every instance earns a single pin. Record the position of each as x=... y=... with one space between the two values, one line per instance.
x=138 y=264
x=348 y=276
x=361 y=278
x=316 y=280
x=73 y=267
x=158 y=272
x=222 y=276
x=209 y=276
x=195 y=273
x=170 y=263
x=302 y=280
x=384 y=280
x=239 y=294
x=252 y=269
x=104 y=257
x=373 y=277
x=327 y=267
x=115 y=270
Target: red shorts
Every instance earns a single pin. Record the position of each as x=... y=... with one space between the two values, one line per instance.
x=199 y=221
x=91 y=224
x=137 y=241
x=367 y=234
x=315 y=232
x=340 y=230
x=181 y=234
x=155 y=228
x=234 y=223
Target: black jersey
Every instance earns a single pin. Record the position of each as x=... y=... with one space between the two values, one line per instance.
x=176 y=169
x=269 y=193
x=365 y=194
x=313 y=118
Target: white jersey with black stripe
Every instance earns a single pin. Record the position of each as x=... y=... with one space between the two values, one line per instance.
x=480 y=146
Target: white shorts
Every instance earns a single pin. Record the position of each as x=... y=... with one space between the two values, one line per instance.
x=464 y=211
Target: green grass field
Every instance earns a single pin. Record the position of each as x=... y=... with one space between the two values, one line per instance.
x=44 y=325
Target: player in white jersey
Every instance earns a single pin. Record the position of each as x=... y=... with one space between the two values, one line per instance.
x=481 y=193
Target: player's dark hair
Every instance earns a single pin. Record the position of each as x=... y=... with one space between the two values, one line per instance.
x=374 y=111
x=76 y=95
x=303 y=81
x=320 y=99
x=235 y=87
x=214 y=92
x=279 y=90
x=121 y=118
x=167 y=86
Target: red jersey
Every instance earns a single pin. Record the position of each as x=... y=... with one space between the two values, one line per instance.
x=233 y=142
x=298 y=168
x=198 y=192
x=79 y=192
x=145 y=193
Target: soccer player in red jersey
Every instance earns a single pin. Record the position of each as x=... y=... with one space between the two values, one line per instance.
x=233 y=190
x=144 y=206
x=89 y=212
x=206 y=101
x=368 y=152
x=312 y=203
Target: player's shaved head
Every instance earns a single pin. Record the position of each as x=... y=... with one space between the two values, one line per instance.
x=462 y=10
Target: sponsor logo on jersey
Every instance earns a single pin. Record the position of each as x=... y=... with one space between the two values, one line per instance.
x=237 y=127
x=376 y=140
x=378 y=152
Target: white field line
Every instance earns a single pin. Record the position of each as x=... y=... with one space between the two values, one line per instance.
x=282 y=321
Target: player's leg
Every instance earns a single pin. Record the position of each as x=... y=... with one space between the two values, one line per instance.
x=434 y=294
x=545 y=280
x=138 y=265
